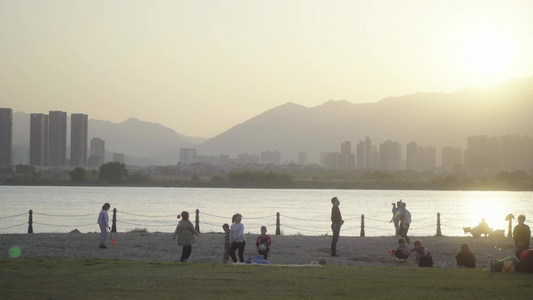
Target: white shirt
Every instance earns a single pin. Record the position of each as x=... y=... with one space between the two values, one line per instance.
x=236 y=233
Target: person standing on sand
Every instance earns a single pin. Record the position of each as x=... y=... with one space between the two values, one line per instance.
x=185 y=232
x=103 y=221
x=405 y=222
x=521 y=236
x=264 y=239
x=227 y=243
x=336 y=223
x=396 y=212
x=237 y=239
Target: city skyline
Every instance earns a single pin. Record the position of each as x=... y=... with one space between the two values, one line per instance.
x=483 y=153
x=201 y=68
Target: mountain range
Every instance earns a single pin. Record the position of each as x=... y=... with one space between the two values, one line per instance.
x=430 y=119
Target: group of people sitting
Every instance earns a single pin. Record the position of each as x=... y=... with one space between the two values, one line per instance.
x=465 y=258
x=421 y=253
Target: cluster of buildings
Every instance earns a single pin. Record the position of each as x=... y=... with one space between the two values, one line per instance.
x=483 y=154
x=48 y=141
x=48 y=149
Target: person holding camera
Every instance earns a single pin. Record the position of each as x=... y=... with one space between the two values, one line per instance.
x=396 y=211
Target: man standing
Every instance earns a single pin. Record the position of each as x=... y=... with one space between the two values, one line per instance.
x=521 y=235
x=336 y=223
x=405 y=222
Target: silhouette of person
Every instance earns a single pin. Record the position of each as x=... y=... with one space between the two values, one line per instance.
x=521 y=236
x=465 y=258
x=405 y=222
x=336 y=223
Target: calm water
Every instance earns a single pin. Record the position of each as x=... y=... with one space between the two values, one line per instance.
x=306 y=212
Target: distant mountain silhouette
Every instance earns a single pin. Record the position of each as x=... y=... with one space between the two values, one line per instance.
x=143 y=143
x=430 y=119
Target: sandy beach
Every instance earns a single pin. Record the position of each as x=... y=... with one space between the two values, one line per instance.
x=286 y=249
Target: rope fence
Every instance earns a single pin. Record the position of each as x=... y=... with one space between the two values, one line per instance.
x=298 y=224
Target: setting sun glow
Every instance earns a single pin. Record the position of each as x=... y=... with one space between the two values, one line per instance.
x=488 y=52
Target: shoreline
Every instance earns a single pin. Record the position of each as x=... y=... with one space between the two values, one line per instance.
x=286 y=249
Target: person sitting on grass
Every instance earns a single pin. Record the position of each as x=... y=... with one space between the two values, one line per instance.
x=422 y=254
x=465 y=258
x=419 y=250
x=402 y=251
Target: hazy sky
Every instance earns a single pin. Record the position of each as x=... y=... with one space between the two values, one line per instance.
x=201 y=67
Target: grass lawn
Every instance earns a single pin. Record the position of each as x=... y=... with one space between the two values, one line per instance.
x=95 y=278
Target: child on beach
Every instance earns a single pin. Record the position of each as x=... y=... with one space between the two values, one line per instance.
x=422 y=254
x=402 y=251
x=263 y=239
x=227 y=243
x=185 y=232
x=419 y=250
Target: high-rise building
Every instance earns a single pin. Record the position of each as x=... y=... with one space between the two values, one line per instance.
x=482 y=154
x=6 y=137
x=119 y=157
x=245 y=158
x=270 y=157
x=346 y=158
x=78 y=140
x=188 y=156
x=57 y=138
x=451 y=158
x=39 y=139
x=430 y=158
x=97 y=153
x=329 y=160
x=303 y=158
x=516 y=153
x=411 y=161
x=389 y=156
x=365 y=158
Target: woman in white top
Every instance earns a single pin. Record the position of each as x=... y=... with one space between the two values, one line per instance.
x=237 y=239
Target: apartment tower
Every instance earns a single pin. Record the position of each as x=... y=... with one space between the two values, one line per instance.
x=6 y=137
x=78 y=140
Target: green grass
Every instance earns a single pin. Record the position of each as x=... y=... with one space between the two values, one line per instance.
x=96 y=278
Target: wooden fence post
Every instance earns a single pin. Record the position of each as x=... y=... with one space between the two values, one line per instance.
x=114 y=226
x=362 y=226
x=278 y=230
x=30 y=222
x=438 y=225
x=197 y=226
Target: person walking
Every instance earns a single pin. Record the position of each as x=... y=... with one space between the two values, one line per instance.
x=405 y=222
x=185 y=232
x=103 y=221
x=336 y=223
x=237 y=239
x=521 y=236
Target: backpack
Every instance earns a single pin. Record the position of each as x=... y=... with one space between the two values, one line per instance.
x=425 y=261
x=526 y=264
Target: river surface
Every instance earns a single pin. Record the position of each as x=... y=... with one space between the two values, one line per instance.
x=302 y=211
